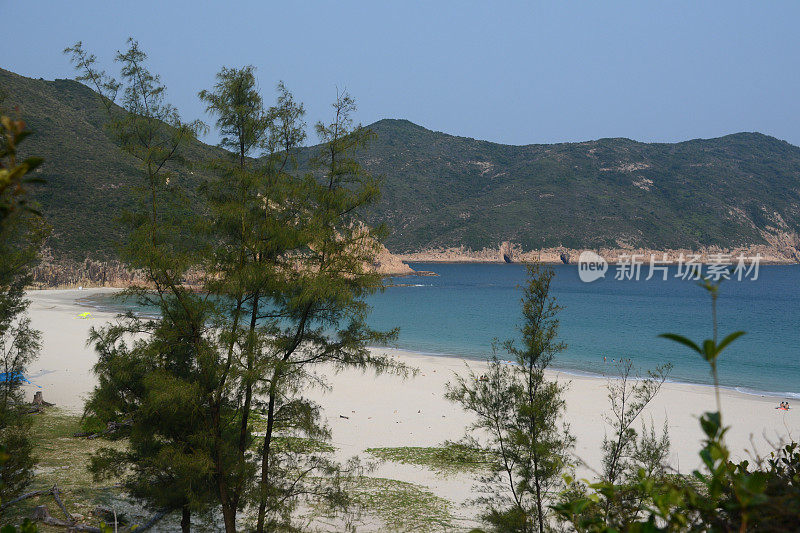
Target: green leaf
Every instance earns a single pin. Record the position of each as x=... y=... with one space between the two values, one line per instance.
x=680 y=339
x=33 y=162
x=729 y=339
x=709 y=350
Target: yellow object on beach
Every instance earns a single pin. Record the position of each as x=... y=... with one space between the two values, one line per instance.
x=85 y=315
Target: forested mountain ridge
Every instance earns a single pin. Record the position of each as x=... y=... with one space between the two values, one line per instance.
x=89 y=179
x=445 y=191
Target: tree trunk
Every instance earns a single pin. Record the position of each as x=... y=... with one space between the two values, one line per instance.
x=229 y=516
x=186 y=519
x=262 y=504
x=228 y=509
x=248 y=395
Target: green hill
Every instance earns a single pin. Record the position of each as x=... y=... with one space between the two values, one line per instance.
x=88 y=177
x=442 y=191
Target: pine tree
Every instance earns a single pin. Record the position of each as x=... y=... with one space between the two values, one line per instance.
x=291 y=260
x=247 y=234
x=22 y=233
x=519 y=411
x=317 y=313
x=156 y=376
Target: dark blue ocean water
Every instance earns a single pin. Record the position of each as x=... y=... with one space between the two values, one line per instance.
x=460 y=311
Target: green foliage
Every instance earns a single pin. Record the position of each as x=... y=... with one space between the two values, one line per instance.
x=288 y=266
x=21 y=231
x=239 y=109
x=310 y=254
x=14 y=174
x=19 y=345
x=722 y=496
x=160 y=385
x=258 y=225
x=402 y=506
x=518 y=418
x=450 y=458
x=21 y=235
x=26 y=527
x=155 y=390
x=627 y=453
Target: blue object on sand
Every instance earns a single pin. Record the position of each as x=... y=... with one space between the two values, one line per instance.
x=9 y=376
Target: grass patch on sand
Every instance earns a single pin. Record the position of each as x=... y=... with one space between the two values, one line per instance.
x=391 y=505
x=300 y=445
x=63 y=460
x=286 y=443
x=450 y=458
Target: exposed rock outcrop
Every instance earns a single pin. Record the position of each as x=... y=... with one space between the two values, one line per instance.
x=784 y=249
x=90 y=273
x=507 y=252
x=389 y=264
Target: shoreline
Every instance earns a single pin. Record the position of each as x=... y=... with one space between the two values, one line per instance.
x=388 y=410
x=556 y=369
x=483 y=261
x=740 y=389
x=773 y=254
x=112 y=274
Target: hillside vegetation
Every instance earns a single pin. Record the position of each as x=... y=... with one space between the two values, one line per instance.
x=445 y=191
x=89 y=179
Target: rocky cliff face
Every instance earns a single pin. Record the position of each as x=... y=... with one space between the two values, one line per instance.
x=63 y=273
x=785 y=243
x=389 y=264
x=784 y=249
x=506 y=252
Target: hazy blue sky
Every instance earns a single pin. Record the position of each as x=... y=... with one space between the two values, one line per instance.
x=511 y=72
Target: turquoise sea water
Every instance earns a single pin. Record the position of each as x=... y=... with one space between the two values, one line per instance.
x=467 y=305
x=460 y=311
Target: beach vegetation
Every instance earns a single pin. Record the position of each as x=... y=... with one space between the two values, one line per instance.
x=724 y=495
x=447 y=459
x=519 y=418
x=265 y=287
x=291 y=259
x=22 y=232
x=394 y=505
x=156 y=376
x=627 y=453
x=63 y=460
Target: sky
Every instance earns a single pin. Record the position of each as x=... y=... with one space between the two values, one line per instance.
x=508 y=72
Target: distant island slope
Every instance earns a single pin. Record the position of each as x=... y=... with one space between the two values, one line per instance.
x=455 y=198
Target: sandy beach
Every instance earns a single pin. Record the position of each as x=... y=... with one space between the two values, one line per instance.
x=386 y=411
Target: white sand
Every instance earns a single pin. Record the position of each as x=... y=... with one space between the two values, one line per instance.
x=391 y=411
